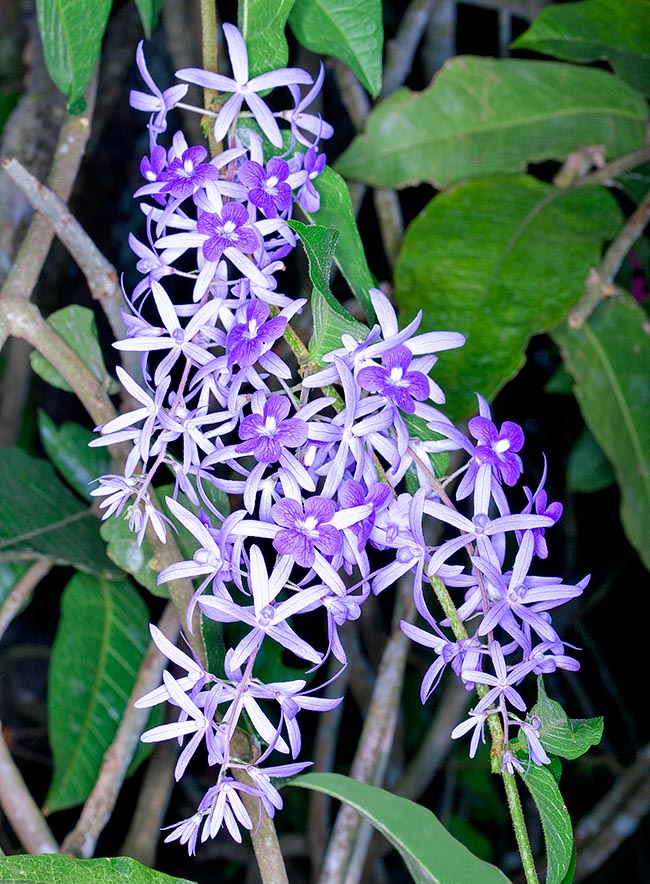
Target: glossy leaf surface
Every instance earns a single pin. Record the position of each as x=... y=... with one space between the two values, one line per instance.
x=350 y=30
x=615 y=30
x=101 y=640
x=431 y=854
x=483 y=116
x=59 y=869
x=41 y=517
x=499 y=260
x=609 y=358
x=72 y=32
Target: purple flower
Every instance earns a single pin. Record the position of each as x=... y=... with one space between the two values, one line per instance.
x=266 y=434
x=394 y=380
x=243 y=89
x=498 y=447
x=267 y=188
x=230 y=229
x=502 y=682
x=542 y=507
x=530 y=730
x=158 y=103
x=304 y=531
x=308 y=197
x=309 y=122
x=266 y=616
x=185 y=174
x=352 y=493
x=475 y=722
x=248 y=339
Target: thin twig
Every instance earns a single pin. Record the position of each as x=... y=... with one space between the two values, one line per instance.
x=599 y=283
x=100 y=274
x=400 y=51
x=81 y=841
x=21 y=318
x=23 y=813
x=22 y=591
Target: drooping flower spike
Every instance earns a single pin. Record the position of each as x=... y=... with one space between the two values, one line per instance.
x=294 y=484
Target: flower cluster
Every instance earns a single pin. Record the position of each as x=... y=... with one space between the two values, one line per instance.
x=313 y=467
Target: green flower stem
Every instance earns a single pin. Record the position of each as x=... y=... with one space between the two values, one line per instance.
x=519 y=825
x=497 y=740
x=210 y=58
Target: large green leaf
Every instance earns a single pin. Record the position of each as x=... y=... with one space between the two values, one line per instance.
x=67 y=448
x=431 y=854
x=72 y=32
x=262 y=25
x=350 y=30
x=609 y=358
x=41 y=517
x=483 y=116
x=349 y=254
x=616 y=30
x=100 y=643
x=542 y=783
x=76 y=325
x=59 y=869
x=499 y=259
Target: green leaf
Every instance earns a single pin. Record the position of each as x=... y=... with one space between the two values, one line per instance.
x=609 y=358
x=262 y=25
x=587 y=468
x=483 y=116
x=67 y=448
x=616 y=30
x=136 y=559
x=498 y=259
x=41 y=517
x=59 y=869
x=560 y=735
x=71 y=33
x=431 y=854
x=149 y=11
x=100 y=643
x=331 y=319
x=349 y=254
x=76 y=325
x=556 y=822
x=350 y=30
